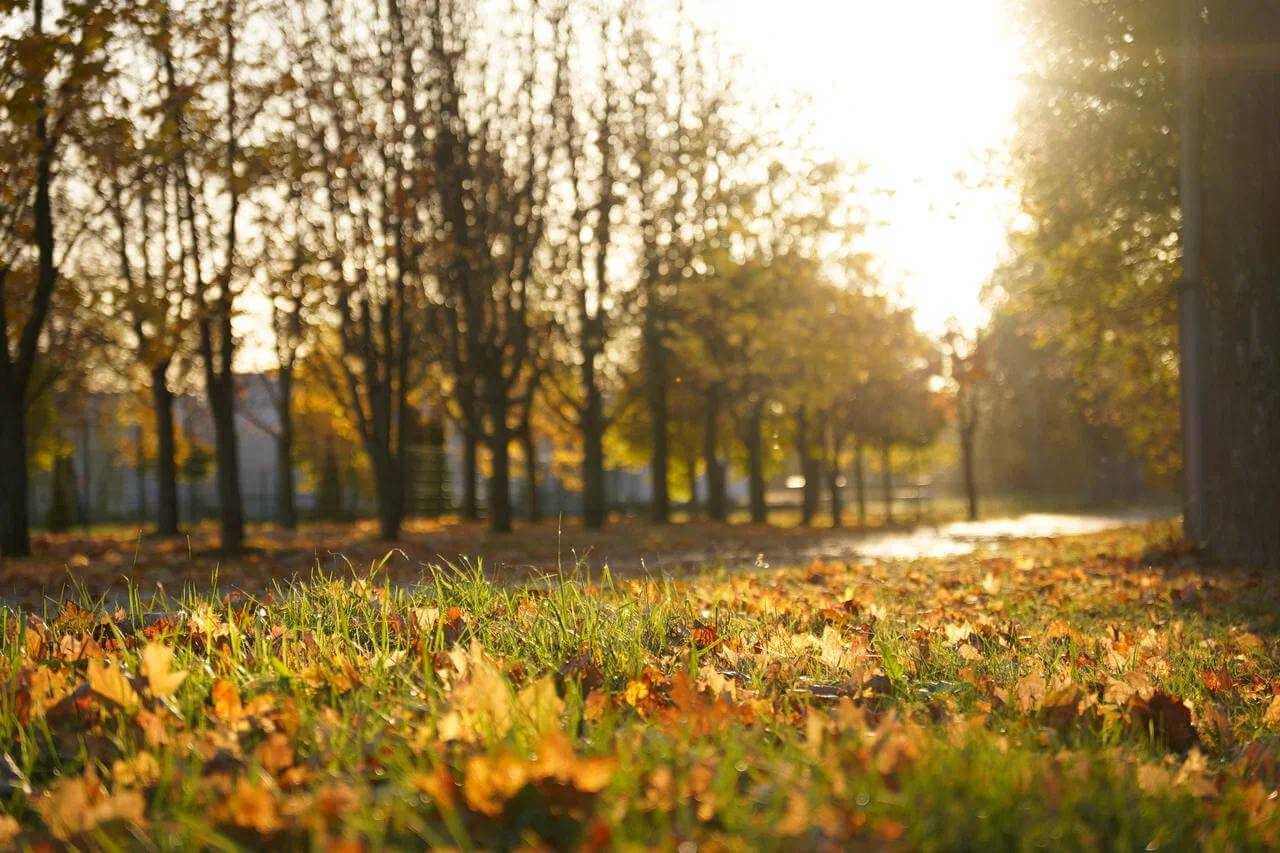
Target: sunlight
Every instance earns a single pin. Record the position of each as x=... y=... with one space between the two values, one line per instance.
x=923 y=92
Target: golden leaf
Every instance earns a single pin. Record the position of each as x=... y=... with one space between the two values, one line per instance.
x=106 y=679
x=157 y=667
x=227 y=706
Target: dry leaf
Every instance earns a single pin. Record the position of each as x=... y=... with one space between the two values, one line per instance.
x=108 y=681
x=157 y=668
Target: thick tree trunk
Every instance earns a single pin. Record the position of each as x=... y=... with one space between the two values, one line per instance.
x=389 y=493
x=886 y=481
x=717 y=505
x=15 y=536
x=529 y=447
x=470 y=475
x=1241 y=271
x=755 y=464
x=227 y=462
x=286 y=498
x=860 y=481
x=594 y=508
x=166 y=454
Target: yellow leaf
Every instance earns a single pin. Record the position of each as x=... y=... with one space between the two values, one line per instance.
x=541 y=705
x=491 y=781
x=106 y=679
x=157 y=667
x=227 y=706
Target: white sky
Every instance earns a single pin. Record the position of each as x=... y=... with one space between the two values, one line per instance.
x=919 y=90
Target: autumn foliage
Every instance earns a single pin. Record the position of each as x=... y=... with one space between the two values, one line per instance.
x=1063 y=692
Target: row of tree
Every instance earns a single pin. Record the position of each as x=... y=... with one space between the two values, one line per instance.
x=508 y=211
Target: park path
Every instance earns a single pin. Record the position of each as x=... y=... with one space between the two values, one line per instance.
x=924 y=541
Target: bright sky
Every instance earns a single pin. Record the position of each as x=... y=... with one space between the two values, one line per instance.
x=919 y=90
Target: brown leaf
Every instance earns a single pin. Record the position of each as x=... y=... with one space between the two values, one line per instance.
x=1166 y=718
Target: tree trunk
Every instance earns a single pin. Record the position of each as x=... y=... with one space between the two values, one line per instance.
x=717 y=509
x=166 y=453
x=594 y=508
x=886 y=480
x=470 y=475
x=500 y=461
x=140 y=474
x=529 y=445
x=389 y=493
x=860 y=481
x=227 y=462
x=804 y=453
x=15 y=536
x=837 y=499
x=966 y=460
x=15 y=525
x=691 y=470
x=287 y=505
x=659 y=417
x=1241 y=268
x=755 y=464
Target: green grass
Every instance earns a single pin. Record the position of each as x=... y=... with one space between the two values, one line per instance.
x=809 y=706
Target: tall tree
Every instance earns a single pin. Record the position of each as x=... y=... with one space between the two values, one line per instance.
x=49 y=73
x=1240 y=265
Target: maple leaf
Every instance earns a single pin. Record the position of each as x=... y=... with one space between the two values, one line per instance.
x=157 y=668
x=108 y=681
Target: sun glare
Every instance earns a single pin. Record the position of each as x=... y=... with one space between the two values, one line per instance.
x=923 y=92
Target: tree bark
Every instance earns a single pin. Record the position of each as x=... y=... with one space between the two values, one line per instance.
x=1241 y=267
x=166 y=453
x=755 y=464
x=529 y=445
x=717 y=508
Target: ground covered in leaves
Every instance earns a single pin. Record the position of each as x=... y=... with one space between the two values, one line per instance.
x=1070 y=693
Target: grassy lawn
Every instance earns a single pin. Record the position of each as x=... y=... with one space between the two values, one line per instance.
x=1070 y=693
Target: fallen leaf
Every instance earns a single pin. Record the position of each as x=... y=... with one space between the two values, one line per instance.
x=157 y=668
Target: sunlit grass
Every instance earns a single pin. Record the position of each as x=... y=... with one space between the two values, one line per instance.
x=1057 y=693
